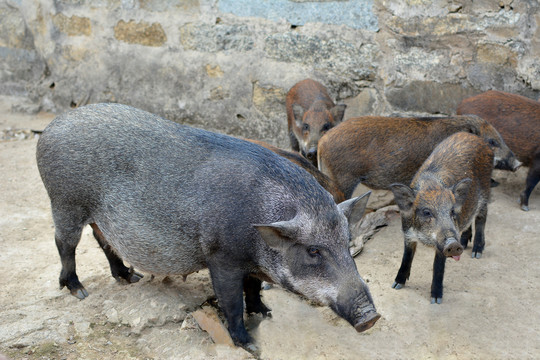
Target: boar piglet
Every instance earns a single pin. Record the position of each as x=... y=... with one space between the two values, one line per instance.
x=378 y=151
x=517 y=119
x=172 y=199
x=310 y=114
x=449 y=192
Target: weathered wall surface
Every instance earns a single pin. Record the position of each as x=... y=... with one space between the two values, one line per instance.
x=227 y=65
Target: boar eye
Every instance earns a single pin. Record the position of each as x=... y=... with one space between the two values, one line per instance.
x=326 y=127
x=427 y=213
x=305 y=127
x=493 y=142
x=313 y=251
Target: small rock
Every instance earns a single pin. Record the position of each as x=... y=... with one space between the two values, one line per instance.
x=208 y=320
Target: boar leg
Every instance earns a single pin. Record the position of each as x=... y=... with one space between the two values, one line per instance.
x=438 y=274
x=252 y=289
x=406 y=262
x=228 y=285
x=479 y=239
x=466 y=236
x=67 y=236
x=118 y=269
x=533 y=177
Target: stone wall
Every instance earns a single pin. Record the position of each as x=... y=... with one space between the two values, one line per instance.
x=226 y=65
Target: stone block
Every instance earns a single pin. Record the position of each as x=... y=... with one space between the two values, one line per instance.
x=141 y=33
x=428 y=96
x=72 y=26
x=269 y=99
x=13 y=30
x=356 y=14
x=219 y=37
x=355 y=61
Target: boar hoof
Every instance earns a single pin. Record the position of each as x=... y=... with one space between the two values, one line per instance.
x=259 y=308
x=436 y=300
x=252 y=348
x=522 y=202
x=134 y=276
x=397 y=285
x=80 y=293
x=476 y=255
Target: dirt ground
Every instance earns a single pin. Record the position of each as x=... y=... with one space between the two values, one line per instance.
x=490 y=308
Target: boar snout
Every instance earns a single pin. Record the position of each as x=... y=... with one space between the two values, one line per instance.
x=367 y=321
x=452 y=248
x=312 y=154
x=357 y=308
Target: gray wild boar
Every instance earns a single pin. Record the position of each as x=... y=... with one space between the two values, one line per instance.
x=449 y=191
x=172 y=199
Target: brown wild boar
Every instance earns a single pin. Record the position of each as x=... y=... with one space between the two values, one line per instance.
x=517 y=119
x=449 y=192
x=310 y=113
x=378 y=151
x=301 y=161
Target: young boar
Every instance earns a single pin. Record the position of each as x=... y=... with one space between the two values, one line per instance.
x=378 y=151
x=449 y=191
x=517 y=119
x=172 y=199
x=310 y=114
x=301 y=161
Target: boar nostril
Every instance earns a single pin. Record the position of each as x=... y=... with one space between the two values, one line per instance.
x=311 y=155
x=368 y=322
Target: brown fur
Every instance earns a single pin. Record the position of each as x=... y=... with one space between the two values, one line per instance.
x=299 y=160
x=450 y=191
x=517 y=119
x=459 y=157
x=309 y=105
x=378 y=151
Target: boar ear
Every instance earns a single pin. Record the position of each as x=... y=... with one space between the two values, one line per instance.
x=337 y=112
x=403 y=195
x=278 y=235
x=354 y=208
x=298 y=113
x=461 y=190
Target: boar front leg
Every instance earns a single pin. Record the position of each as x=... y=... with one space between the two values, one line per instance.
x=438 y=274
x=479 y=238
x=466 y=237
x=252 y=289
x=406 y=262
x=228 y=286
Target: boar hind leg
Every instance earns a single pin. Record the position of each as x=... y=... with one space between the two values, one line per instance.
x=438 y=275
x=118 y=269
x=252 y=289
x=228 y=286
x=405 y=269
x=466 y=236
x=67 y=236
x=479 y=226
x=533 y=177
